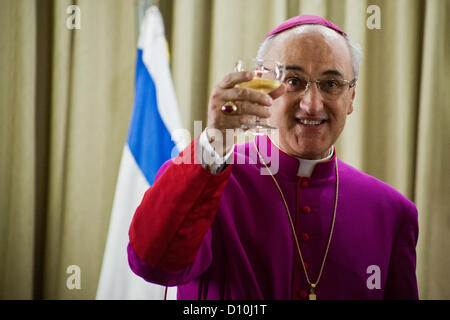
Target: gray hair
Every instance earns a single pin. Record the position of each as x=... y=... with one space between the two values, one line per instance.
x=355 y=48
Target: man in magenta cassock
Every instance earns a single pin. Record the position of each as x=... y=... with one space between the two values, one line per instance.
x=280 y=217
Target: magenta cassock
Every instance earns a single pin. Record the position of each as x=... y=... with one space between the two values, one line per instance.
x=248 y=250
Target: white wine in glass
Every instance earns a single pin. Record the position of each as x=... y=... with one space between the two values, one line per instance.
x=260 y=84
x=268 y=75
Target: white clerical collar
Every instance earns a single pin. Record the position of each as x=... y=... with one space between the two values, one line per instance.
x=306 y=167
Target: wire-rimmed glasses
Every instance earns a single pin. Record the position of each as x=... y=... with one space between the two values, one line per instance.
x=330 y=88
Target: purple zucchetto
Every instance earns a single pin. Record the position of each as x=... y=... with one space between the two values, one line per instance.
x=301 y=20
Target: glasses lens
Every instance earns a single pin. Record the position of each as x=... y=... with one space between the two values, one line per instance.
x=296 y=84
x=331 y=87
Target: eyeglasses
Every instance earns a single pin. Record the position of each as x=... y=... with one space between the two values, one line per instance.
x=331 y=89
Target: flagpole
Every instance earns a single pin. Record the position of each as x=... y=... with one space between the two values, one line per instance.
x=141 y=7
x=154 y=119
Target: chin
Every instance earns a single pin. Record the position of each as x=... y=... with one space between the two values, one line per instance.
x=297 y=144
x=310 y=149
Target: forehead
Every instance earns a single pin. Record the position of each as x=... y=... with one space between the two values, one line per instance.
x=315 y=49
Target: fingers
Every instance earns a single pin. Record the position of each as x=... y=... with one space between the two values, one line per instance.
x=249 y=102
x=245 y=114
x=253 y=109
x=231 y=122
x=234 y=78
x=229 y=92
x=245 y=94
x=278 y=92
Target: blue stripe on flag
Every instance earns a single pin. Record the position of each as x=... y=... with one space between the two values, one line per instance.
x=148 y=138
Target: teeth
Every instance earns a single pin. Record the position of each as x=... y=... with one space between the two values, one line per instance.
x=310 y=122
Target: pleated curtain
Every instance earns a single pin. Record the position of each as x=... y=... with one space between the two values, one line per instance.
x=66 y=98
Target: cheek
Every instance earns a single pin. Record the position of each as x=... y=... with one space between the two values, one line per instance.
x=275 y=118
x=340 y=110
x=339 y=119
x=282 y=114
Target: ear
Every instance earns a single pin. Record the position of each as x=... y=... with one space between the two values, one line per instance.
x=350 y=108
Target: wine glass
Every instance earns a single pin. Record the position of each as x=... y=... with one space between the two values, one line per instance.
x=268 y=75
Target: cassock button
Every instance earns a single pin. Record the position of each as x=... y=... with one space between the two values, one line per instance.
x=304 y=237
x=305 y=184
x=303 y=294
x=306 y=209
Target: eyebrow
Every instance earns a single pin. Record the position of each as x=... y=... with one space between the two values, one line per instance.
x=294 y=67
x=331 y=72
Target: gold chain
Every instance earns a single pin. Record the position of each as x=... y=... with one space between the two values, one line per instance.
x=312 y=286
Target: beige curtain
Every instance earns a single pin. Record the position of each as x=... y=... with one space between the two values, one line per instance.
x=66 y=98
x=432 y=183
x=17 y=144
x=61 y=142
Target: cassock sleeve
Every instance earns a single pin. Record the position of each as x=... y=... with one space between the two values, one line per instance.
x=170 y=236
x=401 y=279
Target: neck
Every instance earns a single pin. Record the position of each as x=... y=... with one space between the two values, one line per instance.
x=306 y=166
x=323 y=157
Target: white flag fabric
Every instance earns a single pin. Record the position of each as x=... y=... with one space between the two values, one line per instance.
x=150 y=143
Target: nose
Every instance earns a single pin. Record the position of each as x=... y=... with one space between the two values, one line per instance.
x=311 y=101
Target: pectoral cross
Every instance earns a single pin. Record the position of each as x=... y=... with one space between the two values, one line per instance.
x=312 y=295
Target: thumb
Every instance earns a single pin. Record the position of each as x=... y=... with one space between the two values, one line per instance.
x=278 y=92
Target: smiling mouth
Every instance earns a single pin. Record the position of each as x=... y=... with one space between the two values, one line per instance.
x=310 y=123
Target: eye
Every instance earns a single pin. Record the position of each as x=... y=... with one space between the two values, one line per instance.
x=292 y=81
x=331 y=83
x=331 y=87
x=294 y=84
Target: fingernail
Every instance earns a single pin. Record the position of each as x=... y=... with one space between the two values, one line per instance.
x=269 y=100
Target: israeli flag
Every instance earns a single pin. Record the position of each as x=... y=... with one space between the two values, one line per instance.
x=155 y=124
